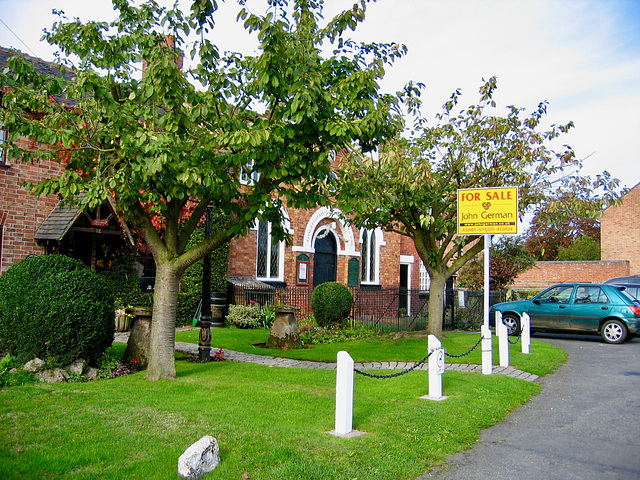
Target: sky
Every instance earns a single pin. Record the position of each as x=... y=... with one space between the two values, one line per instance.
x=581 y=56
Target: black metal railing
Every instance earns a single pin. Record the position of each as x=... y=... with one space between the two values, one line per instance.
x=385 y=309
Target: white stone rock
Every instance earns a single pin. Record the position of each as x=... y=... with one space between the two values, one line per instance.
x=92 y=373
x=77 y=366
x=199 y=459
x=57 y=375
x=35 y=365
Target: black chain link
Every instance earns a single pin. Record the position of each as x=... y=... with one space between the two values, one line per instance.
x=466 y=353
x=393 y=375
x=517 y=339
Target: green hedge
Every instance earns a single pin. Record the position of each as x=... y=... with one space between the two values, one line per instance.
x=331 y=303
x=54 y=308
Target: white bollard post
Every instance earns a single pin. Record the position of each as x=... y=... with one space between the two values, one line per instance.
x=526 y=333
x=344 y=394
x=487 y=351
x=503 y=340
x=436 y=370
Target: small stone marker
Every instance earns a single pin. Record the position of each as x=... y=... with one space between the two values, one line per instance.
x=199 y=459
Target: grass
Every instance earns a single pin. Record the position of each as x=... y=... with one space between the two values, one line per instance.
x=544 y=358
x=270 y=423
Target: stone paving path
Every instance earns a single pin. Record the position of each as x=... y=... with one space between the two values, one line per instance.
x=230 y=355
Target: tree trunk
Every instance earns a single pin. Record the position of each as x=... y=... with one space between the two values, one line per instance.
x=436 y=303
x=163 y=325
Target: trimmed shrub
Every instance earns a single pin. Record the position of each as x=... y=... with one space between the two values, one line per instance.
x=331 y=303
x=55 y=308
x=244 y=316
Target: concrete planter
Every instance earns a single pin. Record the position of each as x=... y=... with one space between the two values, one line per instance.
x=140 y=337
x=284 y=332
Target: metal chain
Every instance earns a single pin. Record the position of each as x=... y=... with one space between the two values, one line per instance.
x=517 y=339
x=464 y=354
x=393 y=375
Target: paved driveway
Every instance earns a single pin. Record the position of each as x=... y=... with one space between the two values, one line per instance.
x=585 y=424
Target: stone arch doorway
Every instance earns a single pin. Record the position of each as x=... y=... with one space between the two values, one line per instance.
x=325 y=258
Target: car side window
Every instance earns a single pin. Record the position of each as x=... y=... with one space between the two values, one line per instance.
x=586 y=294
x=557 y=295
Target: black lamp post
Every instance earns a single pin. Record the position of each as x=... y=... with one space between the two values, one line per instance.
x=204 y=343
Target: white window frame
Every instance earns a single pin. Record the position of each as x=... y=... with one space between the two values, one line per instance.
x=249 y=176
x=4 y=133
x=280 y=246
x=425 y=280
x=366 y=260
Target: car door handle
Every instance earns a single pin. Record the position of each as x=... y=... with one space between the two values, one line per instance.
x=604 y=308
x=562 y=306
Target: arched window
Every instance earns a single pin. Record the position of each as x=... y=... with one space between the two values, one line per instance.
x=370 y=251
x=270 y=254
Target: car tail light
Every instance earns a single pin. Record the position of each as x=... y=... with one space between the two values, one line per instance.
x=635 y=309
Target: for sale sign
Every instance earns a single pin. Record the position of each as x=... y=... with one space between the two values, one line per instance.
x=487 y=211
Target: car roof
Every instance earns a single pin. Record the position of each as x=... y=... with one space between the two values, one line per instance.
x=632 y=280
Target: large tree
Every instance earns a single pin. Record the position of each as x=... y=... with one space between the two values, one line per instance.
x=157 y=140
x=412 y=187
x=548 y=234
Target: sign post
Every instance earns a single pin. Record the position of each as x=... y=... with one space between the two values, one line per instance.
x=487 y=212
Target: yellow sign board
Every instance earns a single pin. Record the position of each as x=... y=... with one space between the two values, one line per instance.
x=487 y=211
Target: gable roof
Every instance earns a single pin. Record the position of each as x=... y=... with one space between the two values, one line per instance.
x=58 y=223
x=45 y=68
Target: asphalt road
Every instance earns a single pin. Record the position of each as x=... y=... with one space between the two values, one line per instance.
x=585 y=424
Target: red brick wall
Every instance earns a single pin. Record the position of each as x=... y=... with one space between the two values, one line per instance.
x=21 y=213
x=242 y=257
x=545 y=274
x=620 y=231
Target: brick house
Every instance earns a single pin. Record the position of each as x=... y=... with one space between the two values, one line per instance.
x=31 y=225
x=620 y=231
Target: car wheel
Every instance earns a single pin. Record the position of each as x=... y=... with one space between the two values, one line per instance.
x=614 y=331
x=512 y=322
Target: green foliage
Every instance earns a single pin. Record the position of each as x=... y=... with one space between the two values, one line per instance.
x=331 y=303
x=18 y=376
x=548 y=234
x=267 y=317
x=509 y=258
x=54 y=308
x=339 y=334
x=585 y=248
x=122 y=276
x=244 y=316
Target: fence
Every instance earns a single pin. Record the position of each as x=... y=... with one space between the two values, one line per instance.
x=387 y=309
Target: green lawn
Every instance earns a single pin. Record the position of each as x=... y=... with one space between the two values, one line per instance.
x=544 y=358
x=270 y=422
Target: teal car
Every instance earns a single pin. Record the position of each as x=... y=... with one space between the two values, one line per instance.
x=577 y=308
